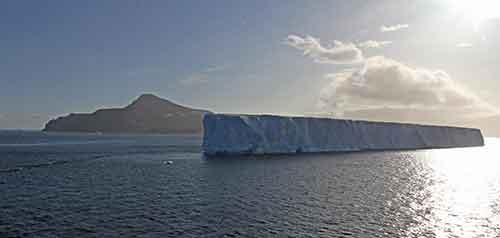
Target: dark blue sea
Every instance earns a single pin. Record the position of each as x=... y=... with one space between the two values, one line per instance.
x=83 y=185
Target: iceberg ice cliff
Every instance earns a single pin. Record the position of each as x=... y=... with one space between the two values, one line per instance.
x=267 y=134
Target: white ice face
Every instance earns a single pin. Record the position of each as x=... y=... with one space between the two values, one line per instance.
x=264 y=134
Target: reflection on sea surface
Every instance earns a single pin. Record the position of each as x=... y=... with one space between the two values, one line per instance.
x=463 y=191
x=123 y=187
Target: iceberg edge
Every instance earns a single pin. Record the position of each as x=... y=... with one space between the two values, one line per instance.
x=269 y=134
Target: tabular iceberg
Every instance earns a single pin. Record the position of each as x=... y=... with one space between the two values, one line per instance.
x=269 y=134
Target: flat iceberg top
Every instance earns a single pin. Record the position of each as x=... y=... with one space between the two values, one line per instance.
x=268 y=134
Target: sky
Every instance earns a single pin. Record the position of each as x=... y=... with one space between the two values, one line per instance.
x=419 y=61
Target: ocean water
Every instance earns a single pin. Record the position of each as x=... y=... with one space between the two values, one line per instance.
x=74 y=185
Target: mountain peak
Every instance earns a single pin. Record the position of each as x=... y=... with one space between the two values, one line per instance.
x=146 y=114
x=148 y=97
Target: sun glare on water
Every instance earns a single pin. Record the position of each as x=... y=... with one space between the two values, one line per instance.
x=464 y=194
x=476 y=11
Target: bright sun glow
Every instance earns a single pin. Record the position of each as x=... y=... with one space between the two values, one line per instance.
x=476 y=11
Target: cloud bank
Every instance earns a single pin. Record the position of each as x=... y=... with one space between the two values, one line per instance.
x=388 y=90
x=373 y=44
x=464 y=45
x=387 y=85
x=393 y=28
x=339 y=53
x=204 y=76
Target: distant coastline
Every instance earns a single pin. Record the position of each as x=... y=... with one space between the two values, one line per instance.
x=148 y=114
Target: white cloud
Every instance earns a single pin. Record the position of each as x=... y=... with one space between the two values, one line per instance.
x=393 y=28
x=464 y=45
x=385 y=84
x=203 y=76
x=215 y=68
x=373 y=44
x=340 y=53
x=195 y=78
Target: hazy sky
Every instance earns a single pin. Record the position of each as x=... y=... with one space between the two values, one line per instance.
x=286 y=57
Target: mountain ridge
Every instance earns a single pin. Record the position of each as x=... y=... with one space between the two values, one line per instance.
x=146 y=114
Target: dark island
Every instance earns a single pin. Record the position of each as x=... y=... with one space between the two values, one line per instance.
x=147 y=114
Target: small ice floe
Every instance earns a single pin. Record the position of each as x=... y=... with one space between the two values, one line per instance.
x=168 y=162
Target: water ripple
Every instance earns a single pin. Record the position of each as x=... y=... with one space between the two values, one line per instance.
x=124 y=192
